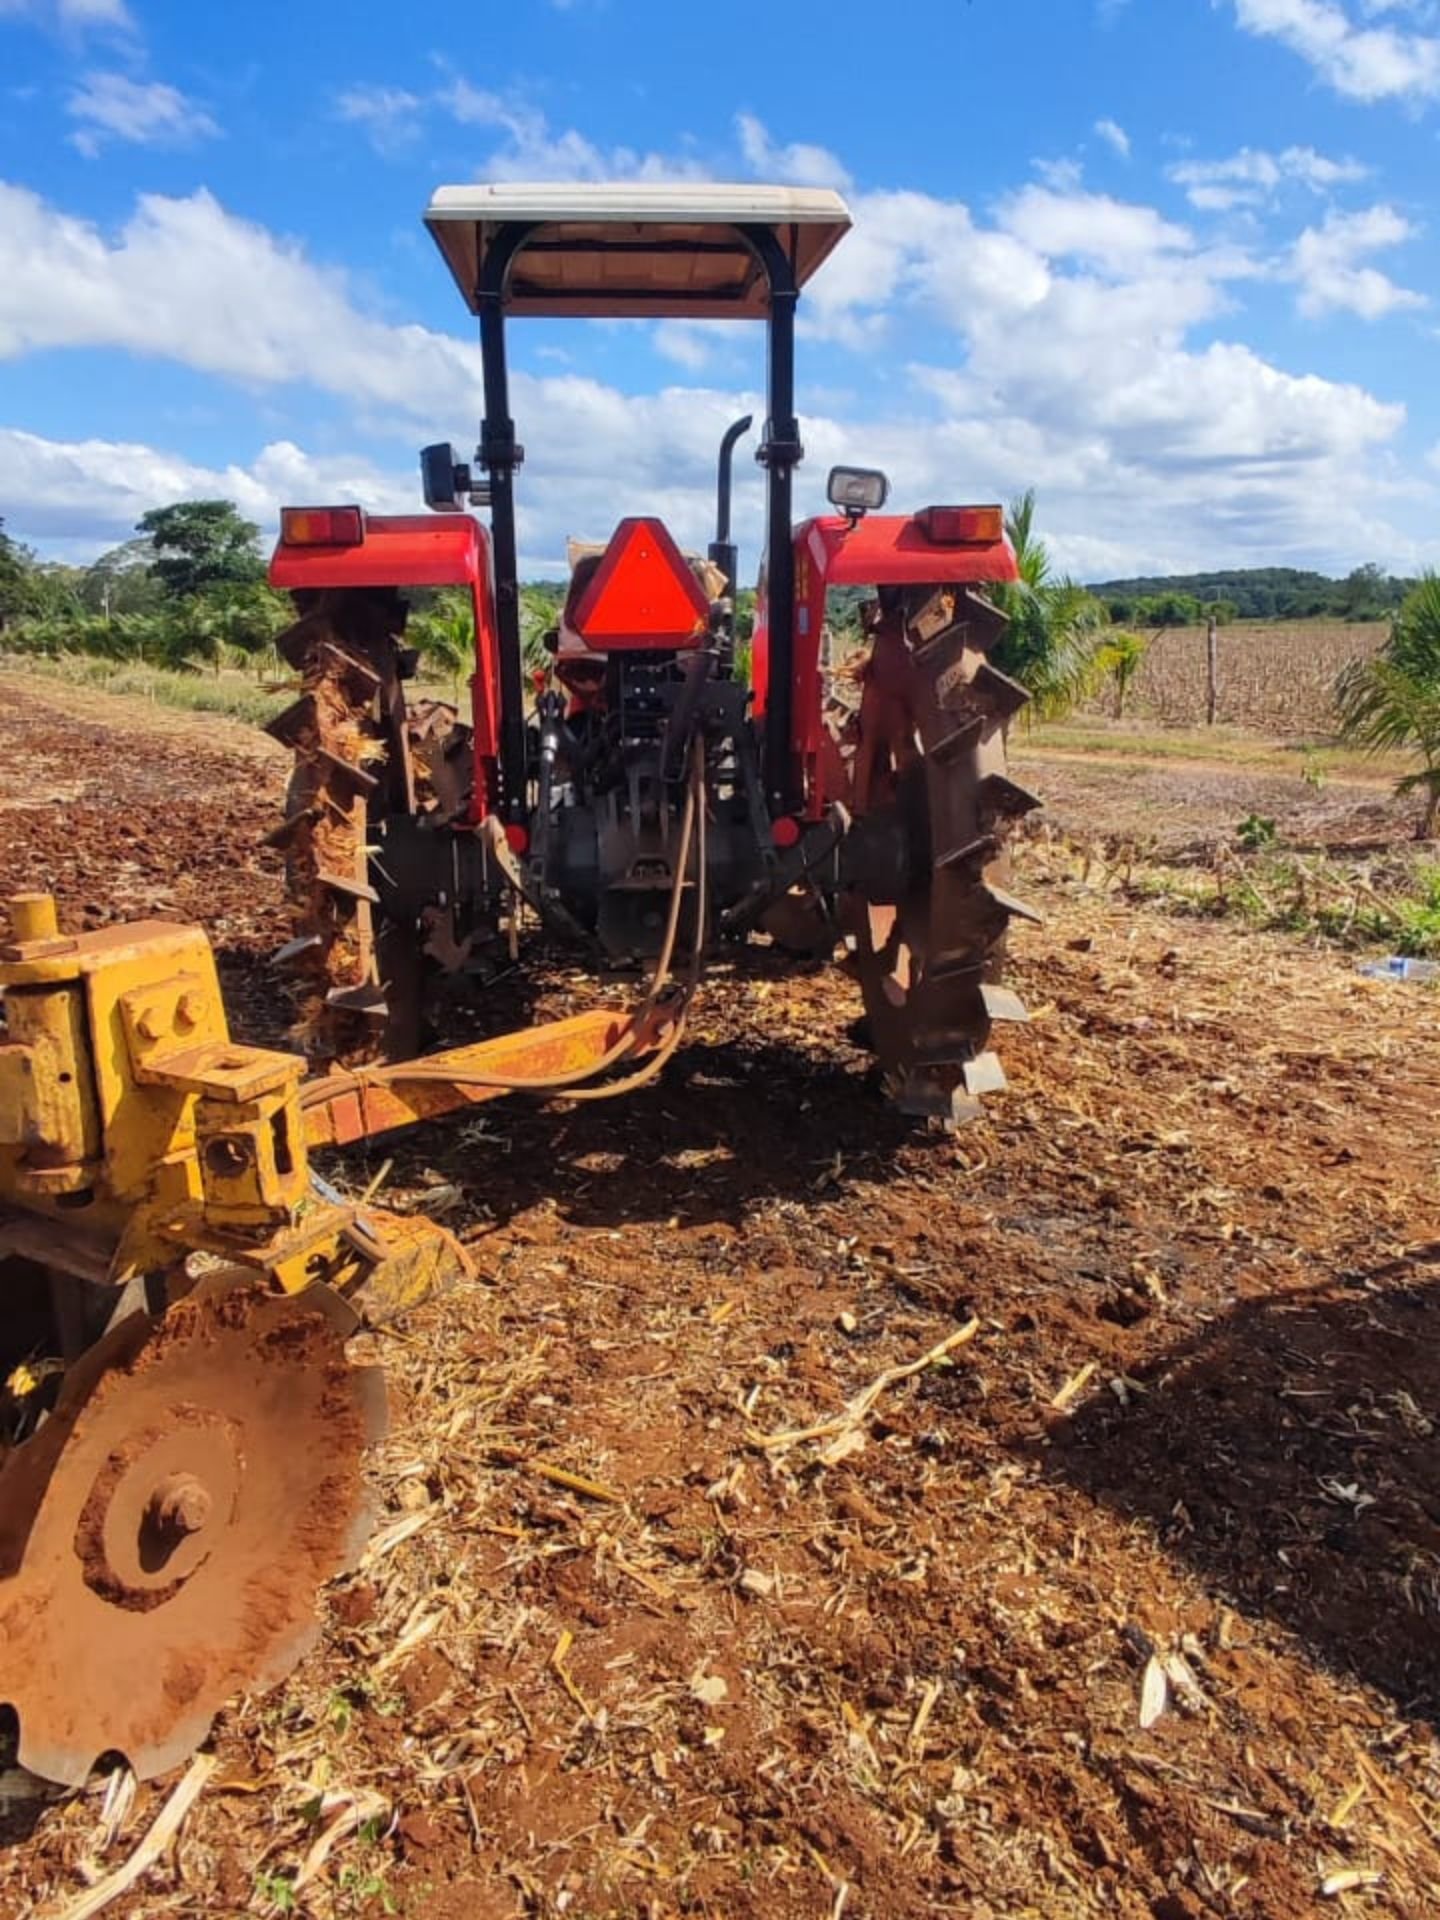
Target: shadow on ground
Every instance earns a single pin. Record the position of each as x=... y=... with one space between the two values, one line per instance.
x=724 y=1127
x=1291 y=1452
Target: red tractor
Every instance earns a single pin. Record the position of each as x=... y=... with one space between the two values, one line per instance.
x=659 y=789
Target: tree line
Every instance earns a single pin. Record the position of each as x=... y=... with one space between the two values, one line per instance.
x=1253 y=593
x=189 y=592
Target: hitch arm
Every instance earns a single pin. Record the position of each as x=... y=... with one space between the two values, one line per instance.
x=340 y=1108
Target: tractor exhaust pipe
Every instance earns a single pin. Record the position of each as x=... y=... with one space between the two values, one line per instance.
x=722 y=547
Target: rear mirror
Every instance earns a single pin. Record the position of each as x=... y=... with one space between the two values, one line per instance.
x=444 y=480
x=857 y=490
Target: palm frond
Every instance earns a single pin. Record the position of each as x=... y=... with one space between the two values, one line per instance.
x=1414 y=642
x=1391 y=702
x=1050 y=644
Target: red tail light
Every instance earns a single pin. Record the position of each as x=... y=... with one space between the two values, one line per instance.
x=321 y=526
x=643 y=593
x=962 y=526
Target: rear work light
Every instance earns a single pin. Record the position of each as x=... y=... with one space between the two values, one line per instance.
x=857 y=490
x=321 y=526
x=962 y=526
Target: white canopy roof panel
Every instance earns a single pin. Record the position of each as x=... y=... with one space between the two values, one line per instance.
x=667 y=250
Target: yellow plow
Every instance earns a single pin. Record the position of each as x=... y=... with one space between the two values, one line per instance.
x=183 y=1432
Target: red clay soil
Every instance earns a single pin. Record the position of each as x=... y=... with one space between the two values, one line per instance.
x=627 y=1644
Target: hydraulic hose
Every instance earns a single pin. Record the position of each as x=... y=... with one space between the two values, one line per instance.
x=413 y=1071
x=697 y=954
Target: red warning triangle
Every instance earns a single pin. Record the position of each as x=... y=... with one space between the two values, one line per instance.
x=643 y=593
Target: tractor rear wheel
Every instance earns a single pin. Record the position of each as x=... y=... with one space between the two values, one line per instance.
x=361 y=756
x=927 y=906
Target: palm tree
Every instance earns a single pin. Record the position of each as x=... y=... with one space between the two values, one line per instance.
x=1117 y=659
x=193 y=635
x=1055 y=625
x=247 y=617
x=114 y=637
x=47 y=634
x=445 y=634
x=540 y=605
x=1391 y=701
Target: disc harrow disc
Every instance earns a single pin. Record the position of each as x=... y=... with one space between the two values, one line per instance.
x=165 y=1532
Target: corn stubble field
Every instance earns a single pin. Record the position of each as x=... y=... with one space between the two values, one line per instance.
x=1273 y=678
x=804 y=1518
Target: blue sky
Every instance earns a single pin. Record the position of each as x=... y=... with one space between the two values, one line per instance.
x=1172 y=262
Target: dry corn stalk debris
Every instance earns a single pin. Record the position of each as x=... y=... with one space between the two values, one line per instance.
x=158 y=1838
x=1276 y=678
x=858 y=1409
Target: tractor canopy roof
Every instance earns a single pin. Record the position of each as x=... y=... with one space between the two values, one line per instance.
x=887 y=549
x=674 y=250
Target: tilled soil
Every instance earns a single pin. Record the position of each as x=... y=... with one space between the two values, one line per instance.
x=1183 y=807
x=633 y=1640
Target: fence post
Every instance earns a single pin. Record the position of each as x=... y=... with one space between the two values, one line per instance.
x=1212 y=670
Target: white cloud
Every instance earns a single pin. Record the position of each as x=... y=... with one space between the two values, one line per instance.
x=798 y=164
x=1062 y=176
x=910 y=249
x=55 y=487
x=530 y=148
x=185 y=280
x=1252 y=177
x=1327 y=262
x=78 y=497
x=1362 y=62
x=1067 y=361
x=1199 y=455
x=389 y=115
x=1113 y=235
x=1114 y=135
x=1073 y=370
x=534 y=150
x=111 y=106
x=686 y=342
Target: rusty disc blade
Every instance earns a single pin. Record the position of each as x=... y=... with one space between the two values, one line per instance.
x=163 y=1536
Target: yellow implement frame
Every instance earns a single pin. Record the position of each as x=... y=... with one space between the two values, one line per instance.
x=134 y=1130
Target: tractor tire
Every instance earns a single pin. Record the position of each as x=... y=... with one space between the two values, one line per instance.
x=358 y=983
x=928 y=907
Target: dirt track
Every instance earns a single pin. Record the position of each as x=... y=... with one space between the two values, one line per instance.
x=1196 y=1422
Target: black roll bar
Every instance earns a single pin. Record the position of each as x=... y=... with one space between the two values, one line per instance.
x=499 y=454
x=780 y=452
